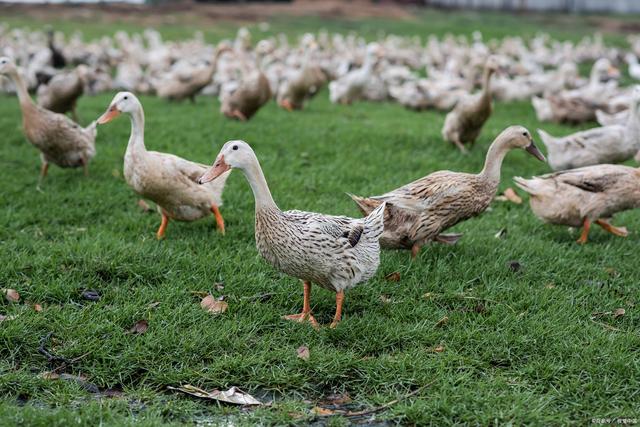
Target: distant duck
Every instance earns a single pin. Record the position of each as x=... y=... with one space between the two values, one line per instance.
x=464 y=123
x=353 y=85
x=580 y=197
x=335 y=252
x=421 y=211
x=607 y=144
x=60 y=140
x=169 y=181
x=58 y=59
x=634 y=66
x=61 y=93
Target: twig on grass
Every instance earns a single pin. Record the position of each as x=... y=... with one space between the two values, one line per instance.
x=50 y=357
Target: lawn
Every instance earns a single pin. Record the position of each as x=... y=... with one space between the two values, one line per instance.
x=520 y=345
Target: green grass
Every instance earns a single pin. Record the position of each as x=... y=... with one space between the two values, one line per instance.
x=519 y=347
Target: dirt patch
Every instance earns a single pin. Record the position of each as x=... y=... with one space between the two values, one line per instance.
x=190 y=11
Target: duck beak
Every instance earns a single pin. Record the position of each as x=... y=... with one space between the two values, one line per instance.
x=218 y=168
x=109 y=115
x=286 y=104
x=533 y=150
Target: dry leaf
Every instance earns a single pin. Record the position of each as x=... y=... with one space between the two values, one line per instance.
x=91 y=295
x=153 y=305
x=212 y=305
x=442 y=322
x=550 y=286
x=140 y=327
x=37 y=307
x=338 y=399
x=322 y=411
x=49 y=376
x=612 y=272
x=439 y=349
x=233 y=395
x=11 y=295
x=385 y=299
x=393 y=277
x=619 y=312
x=501 y=234
x=219 y=287
x=429 y=295
x=511 y=195
x=303 y=352
x=144 y=206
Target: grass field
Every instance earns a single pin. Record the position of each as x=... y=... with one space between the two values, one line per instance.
x=519 y=347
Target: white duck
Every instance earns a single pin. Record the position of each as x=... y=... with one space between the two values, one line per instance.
x=335 y=252
x=607 y=144
x=634 y=66
x=169 y=181
x=353 y=85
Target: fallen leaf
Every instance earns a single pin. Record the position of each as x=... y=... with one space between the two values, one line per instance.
x=140 y=327
x=429 y=295
x=144 y=206
x=11 y=295
x=619 y=312
x=338 y=399
x=480 y=308
x=514 y=266
x=439 y=349
x=393 y=277
x=303 y=352
x=385 y=299
x=442 y=322
x=91 y=295
x=233 y=395
x=153 y=305
x=512 y=196
x=219 y=286
x=212 y=305
x=322 y=411
x=49 y=376
x=612 y=272
x=549 y=286
x=37 y=307
x=501 y=234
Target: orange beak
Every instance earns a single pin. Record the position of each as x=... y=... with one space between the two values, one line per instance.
x=218 y=168
x=286 y=104
x=109 y=115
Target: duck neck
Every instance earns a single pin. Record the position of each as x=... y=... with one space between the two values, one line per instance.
x=258 y=183
x=21 y=88
x=136 y=140
x=493 y=162
x=486 y=84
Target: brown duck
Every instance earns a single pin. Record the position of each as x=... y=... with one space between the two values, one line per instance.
x=419 y=212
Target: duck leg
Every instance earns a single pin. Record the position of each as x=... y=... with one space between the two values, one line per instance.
x=460 y=146
x=586 y=225
x=85 y=167
x=338 y=316
x=415 y=250
x=219 y=219
x=238 y=114
x=163 y=226
x=44 y=168
x=306 y=315
x=618 y=231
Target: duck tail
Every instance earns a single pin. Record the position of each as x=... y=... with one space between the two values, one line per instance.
x=365 y=204
x=528 y=185
x=374 y=222
x=548 y=140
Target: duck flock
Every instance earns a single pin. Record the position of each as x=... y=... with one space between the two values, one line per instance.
x=454 y=74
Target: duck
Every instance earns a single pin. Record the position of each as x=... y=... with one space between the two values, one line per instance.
x=606 y=144
x=634 y=66
x=61 y=93
x=353 y=85
x=58 y=59
x=605 y=119
x=419 y=212
x=335 y=252
x=464 y=123
x=583 y=196
x=60 y=140
x=304 y=85
x=253 y=92
x=169 y=181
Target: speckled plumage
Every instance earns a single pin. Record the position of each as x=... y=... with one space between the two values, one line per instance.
x=61 y=93
x=420 y=211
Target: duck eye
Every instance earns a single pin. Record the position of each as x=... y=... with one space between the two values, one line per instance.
x=235 y=147
x=126 y=97
x=525 y=134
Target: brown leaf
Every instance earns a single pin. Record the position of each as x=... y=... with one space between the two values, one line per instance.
x=153 y=305
x=442 y=322
x=549 y=286
x=385 y=299
x=212 y=305
x=612 y=272
x=429 y=295
x=11 y=295
x=140 y=327
x=439 y=349
x=37 y=307
x=50 y=376
x=393 y=277
x=317 y=410
x=303 y=352
x=219 y=287
x=338 y=399
x=512 y=196
x=233 y=395
x=619 y=312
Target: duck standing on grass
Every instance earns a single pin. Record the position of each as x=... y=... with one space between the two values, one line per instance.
x=335 y=252
x=464 y=123
x=579 y=197
x=169 y=181
x=60 y=140
x=422 y=210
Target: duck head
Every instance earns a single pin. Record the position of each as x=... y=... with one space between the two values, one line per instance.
x=520 y=137
x=123 y=102
x=233 y=155
x=7 y=66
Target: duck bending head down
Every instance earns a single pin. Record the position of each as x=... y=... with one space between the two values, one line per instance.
x=335 y=252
